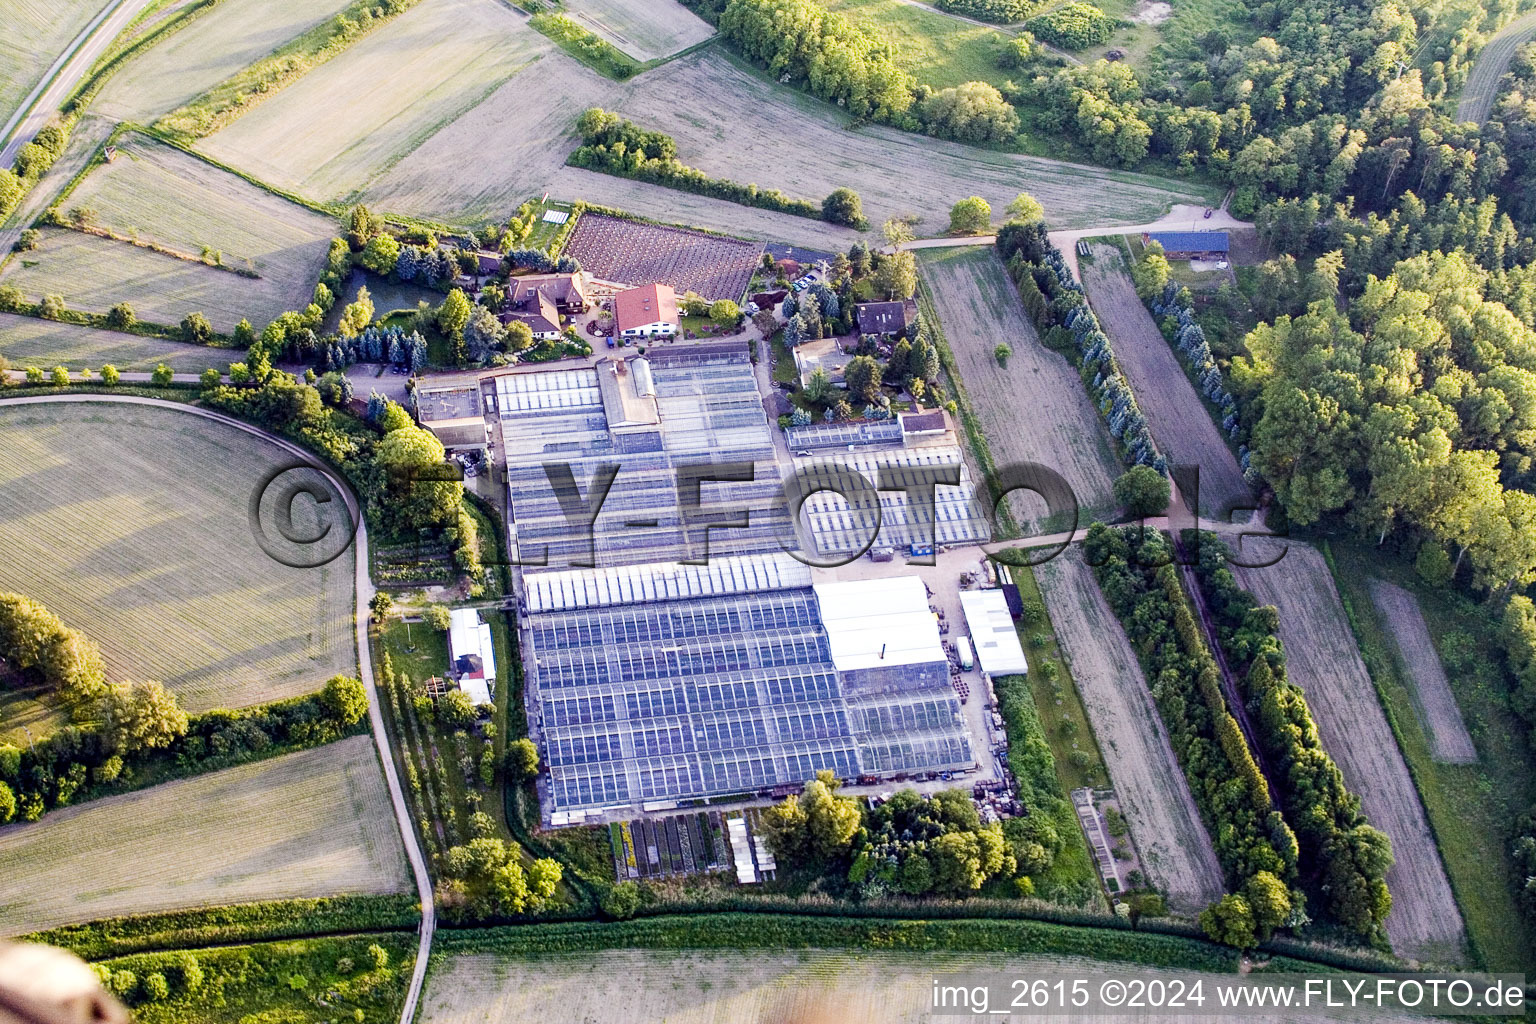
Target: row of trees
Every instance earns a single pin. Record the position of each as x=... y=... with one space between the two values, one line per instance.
x=1257 y=849
x=615 y=145
x=1346 y=857
x=37 y=647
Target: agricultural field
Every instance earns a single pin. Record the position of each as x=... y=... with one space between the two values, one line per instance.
x=644 y=29
x=1322 y=659
x=25 y=341
x=1434 y=702
x=725 y=116
x=819 y=986
x=93 y=274
x=1175 y=849
x=213 y=46
x=634 y=252
x=36 y=33
x=1034 y=409
x=312 y=823
x=156 y=193
x=1482 y=85
x=1180 y=424
x=935 y=48
x=346 y=122
x=130 y=523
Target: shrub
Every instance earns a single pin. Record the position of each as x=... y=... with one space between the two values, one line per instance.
x=1073 y=26
x=971 y=216
x=52 y=307
x=121 y=317
x=843 y=206
x=162 y=376
x=1002 y=353
x=60 y=377
x=1142 y=491
x=11 y=299
x=1001 y=12
x=196 y=329
x=109 y=374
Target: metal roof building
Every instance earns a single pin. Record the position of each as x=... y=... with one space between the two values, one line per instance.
x=998 y=651
x=839 y=524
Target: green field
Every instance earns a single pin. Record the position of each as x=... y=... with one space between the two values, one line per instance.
x=314 y=823
x=36 y=33
x=130 y=523
x=1471 y=807
x=938 y=50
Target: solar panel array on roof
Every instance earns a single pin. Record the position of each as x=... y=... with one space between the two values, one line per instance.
x=680 y=699
x=709 y=412
x=840 y=524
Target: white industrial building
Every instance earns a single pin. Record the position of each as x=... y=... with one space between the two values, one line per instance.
x=879 y=623
x=998 y=651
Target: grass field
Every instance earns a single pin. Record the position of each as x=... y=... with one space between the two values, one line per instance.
x=644 y=29
x=130 y=523
x=1179 y=423
x=349 y=120
x=1176 y=851
x=1471 y=808
x=936 y=49
x=1436 y=705
x=819 y=986
x=1032 y=410
x=1323 y=660
x=314 y=823
x=36 y=33
x=213 y=47
x=156 y=193
x=93 y=274
x=25 y=342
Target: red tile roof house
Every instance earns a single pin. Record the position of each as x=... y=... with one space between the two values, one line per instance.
x=539 y=299
x=646 y=312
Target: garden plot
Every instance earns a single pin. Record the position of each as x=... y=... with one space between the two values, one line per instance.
x=1180 y=424
x=1433 y=700
x=1322 y=658
x=1034 y=409
x=349 y=120
x=1175 y=849
x=94 y=274
x=155 y=193
x=212 y=47
x=644 y=29
x=131 y=524
x=25 y=342
x=635 y=253
x=36 y=33
x=811 y=986
x=313 y=823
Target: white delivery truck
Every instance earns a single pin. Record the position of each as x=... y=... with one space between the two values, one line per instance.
x=963 y=647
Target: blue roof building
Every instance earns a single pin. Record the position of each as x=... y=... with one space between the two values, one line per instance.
x=1191 y=243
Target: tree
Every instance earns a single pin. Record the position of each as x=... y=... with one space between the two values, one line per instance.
x=419 y=489
x=60 y=377
x=897 y=275
x=1002 y=353
x=1151 y=272
x=345 y=698
x=1269 y=900
x=357 y=315
x=1142 y=491
x=519 y=337
x=121 y=317
x=819 y=387
x=394 y=417
x=109 y=374
x=1229 y=920
x=724 y=312
x=786 y=829
x=972 y=112
x=483 y=334
x=160 y=377
x=522 y=759
x=858 y=260
x=380 y=255
x=453 y=314
x=862 y=375
x=831 y=820
x=196 y=329
x=971 y=216
x=7 y=804
x=897 y=232
x=438 y=617
x=619 y=901
x=455 y=710
x=142 y=716
x=52 y=307
x=843 y=206
x=1026 y=209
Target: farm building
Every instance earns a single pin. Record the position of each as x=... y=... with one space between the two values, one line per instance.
x=1191 y=245
x=472 y=654
x=567 y=291
x=646 y=312
x=998 y=651
x=677 y=406
x=454 y=415
x=887 y=319
x=653 y=685
x=826 y=355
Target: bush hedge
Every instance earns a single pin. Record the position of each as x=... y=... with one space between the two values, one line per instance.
x=1073 y=26
x=1001 y=12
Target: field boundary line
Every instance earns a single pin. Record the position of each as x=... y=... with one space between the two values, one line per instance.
x=362 y=592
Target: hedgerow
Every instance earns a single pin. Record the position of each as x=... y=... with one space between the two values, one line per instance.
x=240 y=922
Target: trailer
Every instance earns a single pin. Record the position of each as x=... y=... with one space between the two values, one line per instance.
x=963 y=647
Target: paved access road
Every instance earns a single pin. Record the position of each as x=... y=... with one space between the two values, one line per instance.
x=65 y=74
